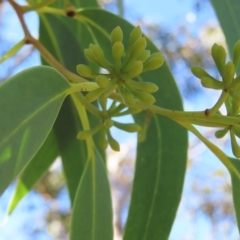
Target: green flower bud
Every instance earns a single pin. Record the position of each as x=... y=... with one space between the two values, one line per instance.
x=129 y=127
x=144 y=97
x=85 y=71
x=229 y=71
x=93 y=95
x=135 y=50
x=134 y=70
x=153 y=63
x=219 y=56
x=89 y=55
x=221 y=133
x=112 y=142
x=135 y=35
x=103 y=81
x=236 y=53
x=144 y=55
x=200 y=73
x=127 y=97
x=99 y=55
x=156 y=54
x=88 y=133
x=103 y=139
x=211 y=83
x=235 y=146
x=116 y=35
x=117 y=50
x=143 y=86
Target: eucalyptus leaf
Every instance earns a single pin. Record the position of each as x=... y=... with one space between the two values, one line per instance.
x=92 y=209
x=162 y=145
x=29 y=104
x=34 y=170
x=229 y=18
x=236 y=189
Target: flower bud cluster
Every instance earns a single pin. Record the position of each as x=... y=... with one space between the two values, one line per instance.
x=229 y=83
x=106 y=123
x=126 y=66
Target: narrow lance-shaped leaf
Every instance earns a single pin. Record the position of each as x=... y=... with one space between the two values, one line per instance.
x=229 y=18
x=92 y=209
x=162 y=156
x=29 y=104
x=236 y=189
x=34 y=170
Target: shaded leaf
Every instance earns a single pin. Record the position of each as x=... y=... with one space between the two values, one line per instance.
x=29 y=104
x=73 y=152
x=229 y=18
x=34 y=170
x=236 y=189
x=65 y=45
x=92 y=209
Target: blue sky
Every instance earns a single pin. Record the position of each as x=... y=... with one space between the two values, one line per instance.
x=168 y=13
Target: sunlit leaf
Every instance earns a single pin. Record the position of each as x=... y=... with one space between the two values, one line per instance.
x=29 y=104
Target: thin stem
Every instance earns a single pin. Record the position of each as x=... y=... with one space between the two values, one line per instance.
x=218 y=104
x=20 y=12
x=90 y=107
x=72 y=77
x=217 y=151
x=85 y=123
x=37 y=6
x=184 y=116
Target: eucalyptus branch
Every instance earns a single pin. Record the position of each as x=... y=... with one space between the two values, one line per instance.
x=72 y=77
x=216 y=151
x=43 y=51
x=18 y=9
x=198 y=118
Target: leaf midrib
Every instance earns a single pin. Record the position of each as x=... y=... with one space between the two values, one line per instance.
x=28 y=119
x=156 y=183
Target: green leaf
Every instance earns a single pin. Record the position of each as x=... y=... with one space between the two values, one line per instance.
x=34 y=170
x=92 y=209
x=73 y=152
x=229 y=18
x=77 y=4
x=65 y=45
x=236 y=189
x=162 y=152
x=29 y=104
